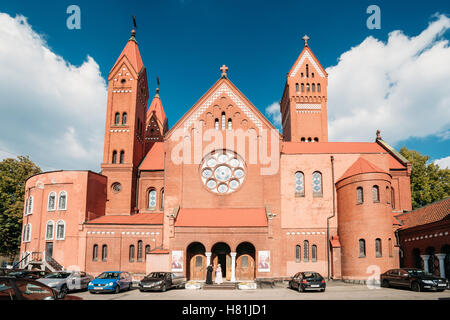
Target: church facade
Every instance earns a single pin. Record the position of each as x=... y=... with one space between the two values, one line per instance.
x=221 y=186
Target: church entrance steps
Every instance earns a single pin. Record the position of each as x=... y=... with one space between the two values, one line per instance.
x=222 y=286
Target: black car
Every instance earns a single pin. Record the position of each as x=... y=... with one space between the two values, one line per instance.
x=415 y=279
x=4 y=271
x=28 y=274
x=12 y=288
x=162 y=281
x=310 y=280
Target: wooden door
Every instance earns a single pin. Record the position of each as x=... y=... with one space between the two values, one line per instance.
x=245 y=267
x=198 y=267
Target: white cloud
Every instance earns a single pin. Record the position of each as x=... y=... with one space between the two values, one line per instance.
x=273 y=112
x=51 y=110
x=401 y=87
x=443 y=162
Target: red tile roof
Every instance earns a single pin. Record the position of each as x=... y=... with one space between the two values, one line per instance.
x=139 y=218
x=131 y=51
x=154 y=160
x=360 y=166
x=335 y=243
x=331 y=147
x=202 y=217
x=433 y=212
x=156 y=106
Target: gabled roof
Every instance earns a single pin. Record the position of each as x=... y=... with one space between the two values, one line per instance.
x=157 y=108
x=154 y=160
x=222 y=86
x=307 y=54
x=214 y=217
x=131 y=52
x=139 y=218
x=361 y=165
x=433 y=212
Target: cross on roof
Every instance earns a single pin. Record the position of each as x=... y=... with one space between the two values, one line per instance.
x=305 y=38
x=224 y=70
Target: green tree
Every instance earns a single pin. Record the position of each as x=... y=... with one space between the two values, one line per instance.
x=429 y=183
x=13 y=175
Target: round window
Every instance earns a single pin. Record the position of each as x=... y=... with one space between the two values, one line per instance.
x=116 y=187
x=222 y=172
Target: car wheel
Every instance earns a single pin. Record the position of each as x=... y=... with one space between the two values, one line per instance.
x=141 y=290
x=129 y=287
x=415 y=286
x=163 y=288
x=92 y=292
x=63 y=292
x=385 y=284
x=322 y=290
x=441 y=290
x=300 y=288
x=117 y=289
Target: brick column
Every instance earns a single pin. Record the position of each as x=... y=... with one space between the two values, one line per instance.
x=425 y=258
x=233 y=266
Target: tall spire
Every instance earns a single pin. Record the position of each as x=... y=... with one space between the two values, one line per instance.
x=131 y=51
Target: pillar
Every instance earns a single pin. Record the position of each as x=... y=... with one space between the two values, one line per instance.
x=233 y=266
x=208 y=258
x=441 y=257
x=425 y=258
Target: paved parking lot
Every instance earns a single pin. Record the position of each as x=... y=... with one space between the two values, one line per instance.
x=335 y=291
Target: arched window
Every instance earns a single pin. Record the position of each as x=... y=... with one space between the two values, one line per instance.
x=303 y=139
x=30 y=205
x=124 y=118
x=392 y=198
x=60 y=230
x=302 y=75
x=27 y=233
x=317 y=184
x=309 y=139
x=375 y=194
x=303 y=87
x=132 y=253
x=296 y=87
x=318 y=87
x=147 y=250
x=117 y=118
x=314 y=253
x=223 y=120
x=298 y=253
x=216 y=124
x=306 y=250
x=362 y=248
x=114 y=157
x=378 y=247
x=230 y=124
x=307 y=87
x=49 y=230
x=122 y=157
x=299 y=184
x=390 y=247
x=62 y=200
x=313 y=87
x=139 y=250
x=359 y=195
x=307 y=71
x=162 y=199
x=104 y=252
x=51 y=201
x=95 y=252
x=316 y=139
x=152 y=199
x=388 y=195
x=312 y=74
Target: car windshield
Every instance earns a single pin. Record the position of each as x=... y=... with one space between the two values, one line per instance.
x=310 y=275
x=108 y=275
x=57 y=275
x=418 y=272
x=156 y=275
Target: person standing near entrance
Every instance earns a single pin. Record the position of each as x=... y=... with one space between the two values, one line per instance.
x=219 y=279
x=209 y=271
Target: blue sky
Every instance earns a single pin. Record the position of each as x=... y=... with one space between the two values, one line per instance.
x=185 y=42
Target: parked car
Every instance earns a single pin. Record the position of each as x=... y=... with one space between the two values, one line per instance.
x=111 y=281
x=413 y=278
x=12 y=288
x=5 y=271
x=65 y=281
x=162 y=281
x=307 y=281
x=28 y=274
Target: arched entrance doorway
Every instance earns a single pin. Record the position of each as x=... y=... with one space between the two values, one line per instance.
x=196 y=261
x=245 y=261
x=220 y=254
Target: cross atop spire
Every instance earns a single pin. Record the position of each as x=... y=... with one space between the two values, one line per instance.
x=224 y=70
x=305 y=38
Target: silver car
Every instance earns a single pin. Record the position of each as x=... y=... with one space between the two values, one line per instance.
x=65 y=281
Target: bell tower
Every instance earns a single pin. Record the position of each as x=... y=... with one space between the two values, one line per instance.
x=156 y=124
x=124 y=144
x=304 y=102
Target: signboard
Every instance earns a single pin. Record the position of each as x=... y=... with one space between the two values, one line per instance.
x=177 y=261
x=263 y=261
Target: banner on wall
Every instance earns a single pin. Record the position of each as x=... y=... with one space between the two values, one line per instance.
x=177 y=261
x=263 y=261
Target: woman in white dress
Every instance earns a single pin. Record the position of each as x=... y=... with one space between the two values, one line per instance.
x=219 y=279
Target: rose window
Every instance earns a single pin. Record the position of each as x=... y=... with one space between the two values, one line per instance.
x=223 y=172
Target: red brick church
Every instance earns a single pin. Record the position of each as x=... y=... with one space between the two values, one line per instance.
x=221 y=185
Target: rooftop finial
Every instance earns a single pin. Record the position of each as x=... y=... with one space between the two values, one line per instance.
x=378 y=135
x=305 y=38
x=157 y=85
x=224 y=70
x=133 y=32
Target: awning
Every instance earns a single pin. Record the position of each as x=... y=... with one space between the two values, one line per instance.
x=235 y=217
